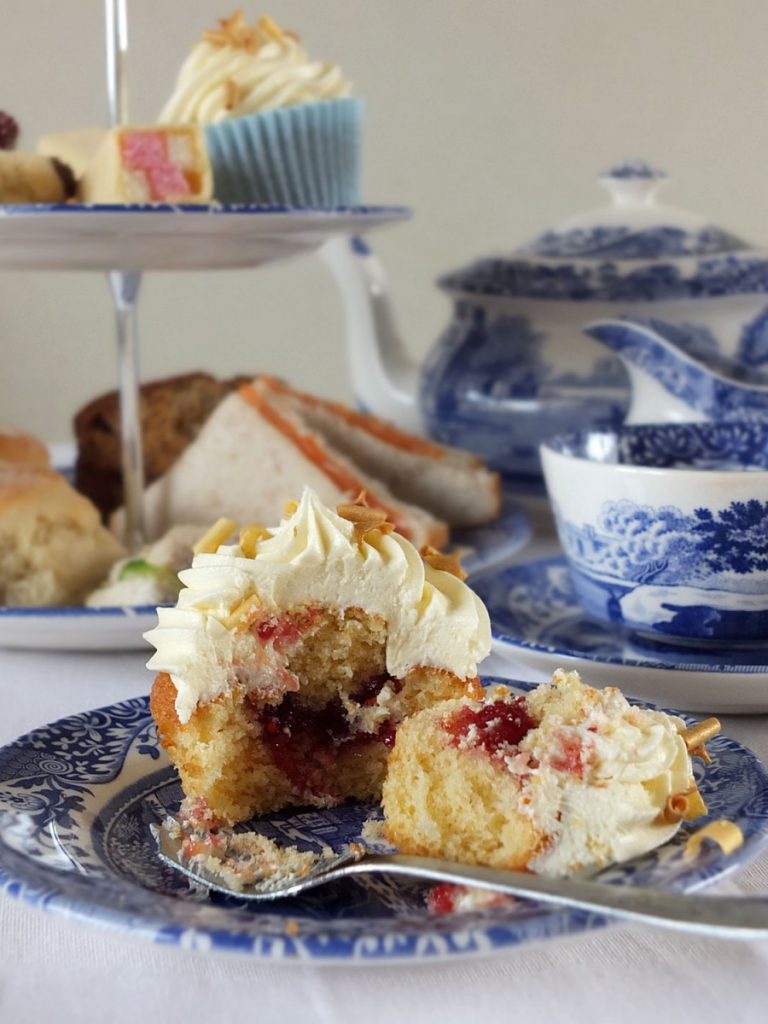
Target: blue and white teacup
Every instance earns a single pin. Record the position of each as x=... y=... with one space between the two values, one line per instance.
x=665 y=528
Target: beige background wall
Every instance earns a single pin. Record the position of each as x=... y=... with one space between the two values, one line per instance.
x=490 y=119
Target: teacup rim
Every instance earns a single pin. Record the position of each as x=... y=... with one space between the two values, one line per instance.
x=554 y=446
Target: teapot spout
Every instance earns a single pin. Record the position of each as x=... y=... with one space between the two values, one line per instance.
x=678 y=374
x=384 y=378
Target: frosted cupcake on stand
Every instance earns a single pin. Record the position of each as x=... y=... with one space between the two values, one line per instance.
x=281 y=129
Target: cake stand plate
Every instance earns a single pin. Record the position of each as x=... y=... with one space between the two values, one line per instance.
x=141 y=238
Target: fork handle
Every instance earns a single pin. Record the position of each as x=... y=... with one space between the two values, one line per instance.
x=725 y=916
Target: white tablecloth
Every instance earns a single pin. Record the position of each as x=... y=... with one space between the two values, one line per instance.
x=53 y=968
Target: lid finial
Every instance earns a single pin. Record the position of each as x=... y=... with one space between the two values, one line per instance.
x=633 y=182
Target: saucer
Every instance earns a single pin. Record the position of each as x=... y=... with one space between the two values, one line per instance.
x=538 y=622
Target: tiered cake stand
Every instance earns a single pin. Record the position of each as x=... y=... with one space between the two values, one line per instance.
x=125 y=241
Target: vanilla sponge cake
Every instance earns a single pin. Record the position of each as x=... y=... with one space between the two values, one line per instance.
x=294 y=654
x=564 y=778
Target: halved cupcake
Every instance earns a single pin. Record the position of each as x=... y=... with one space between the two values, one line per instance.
x=294 y=654
x=562 y=779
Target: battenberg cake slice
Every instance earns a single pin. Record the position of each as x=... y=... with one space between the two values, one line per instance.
x=149 y=164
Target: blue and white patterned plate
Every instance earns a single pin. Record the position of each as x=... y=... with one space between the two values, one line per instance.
x=537 y=622
x=75 y=237
x=77 y=798
x=483 y=548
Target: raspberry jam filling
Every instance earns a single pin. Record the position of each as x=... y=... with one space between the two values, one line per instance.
x=571 y=756
x=441 y=899
x=447 y=898
x=496 y=727
x=304 y=741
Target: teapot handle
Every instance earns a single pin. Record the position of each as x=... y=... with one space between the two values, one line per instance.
x=384 y=377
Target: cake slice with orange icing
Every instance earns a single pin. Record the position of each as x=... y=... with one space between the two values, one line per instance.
x=266 y=442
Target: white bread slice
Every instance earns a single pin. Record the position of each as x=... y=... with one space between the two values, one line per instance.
x=249 y=459
x=452 y=484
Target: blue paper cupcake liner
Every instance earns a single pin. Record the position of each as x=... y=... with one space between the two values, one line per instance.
x=306 y=155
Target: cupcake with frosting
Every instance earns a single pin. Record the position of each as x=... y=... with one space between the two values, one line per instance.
x=281 y=128
x=295 y=653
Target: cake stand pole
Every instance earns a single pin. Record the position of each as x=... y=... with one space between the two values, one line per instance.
x=124 y=285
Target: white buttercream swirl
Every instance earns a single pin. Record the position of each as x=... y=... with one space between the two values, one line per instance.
x=634 y=760
x=315 y=559
x=219 y=81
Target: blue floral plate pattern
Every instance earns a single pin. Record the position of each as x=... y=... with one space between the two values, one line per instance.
x=77 y=798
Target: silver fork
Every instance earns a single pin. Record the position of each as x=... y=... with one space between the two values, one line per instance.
x=722 y=916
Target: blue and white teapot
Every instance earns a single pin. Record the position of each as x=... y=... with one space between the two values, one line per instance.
x=513 y=366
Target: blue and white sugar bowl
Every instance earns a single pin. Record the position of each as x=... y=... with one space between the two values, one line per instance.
x=513 y=365
x=665 y=528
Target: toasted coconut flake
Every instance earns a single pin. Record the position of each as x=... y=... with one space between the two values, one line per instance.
x=364 y=519
x=233 y=93
x=235 y=31
x=250 y=537
x=270 y=28
x=243 y=614
x=726 y=834
x=445 y=563
x=215 y=536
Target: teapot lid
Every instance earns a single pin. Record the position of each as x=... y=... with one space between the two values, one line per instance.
x=632 y=225
x=632 y=249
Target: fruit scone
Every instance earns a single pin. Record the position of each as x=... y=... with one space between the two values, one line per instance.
x=561 y=779
x=293 y=655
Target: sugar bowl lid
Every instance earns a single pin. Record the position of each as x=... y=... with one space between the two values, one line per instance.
x=633 y=225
